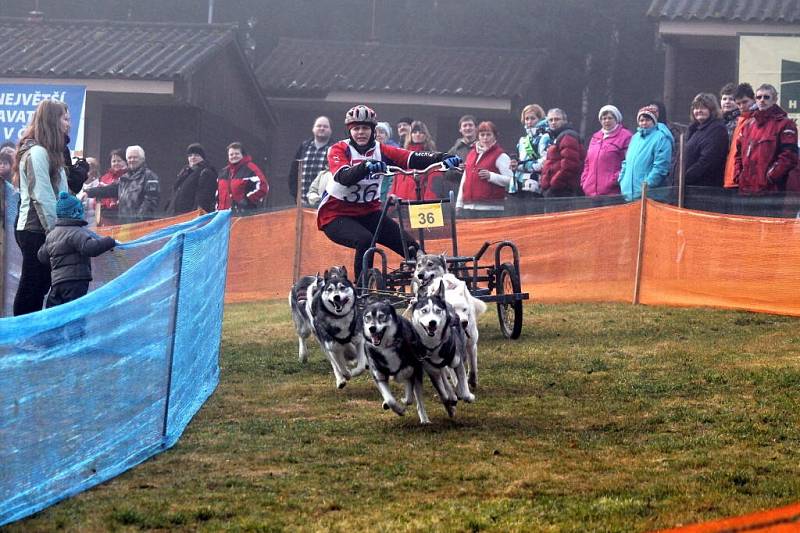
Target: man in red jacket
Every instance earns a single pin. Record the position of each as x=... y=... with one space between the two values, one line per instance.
x=561 y=173
x=766 y=149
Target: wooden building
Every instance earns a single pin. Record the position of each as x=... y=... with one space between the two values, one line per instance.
x=161 y=86
x=701 y=40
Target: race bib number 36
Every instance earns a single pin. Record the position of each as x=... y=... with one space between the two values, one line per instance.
x=426 y=216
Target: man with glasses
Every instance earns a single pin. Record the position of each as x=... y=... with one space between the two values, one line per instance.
x=766 y=148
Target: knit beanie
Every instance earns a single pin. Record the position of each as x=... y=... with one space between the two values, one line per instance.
x=648 y=111
x=196 y=148
x=68 y=206
x=610 y=109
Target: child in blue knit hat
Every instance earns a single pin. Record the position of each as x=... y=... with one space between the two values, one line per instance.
x=68 y=249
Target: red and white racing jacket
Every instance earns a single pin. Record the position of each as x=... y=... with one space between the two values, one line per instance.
x=360 y=198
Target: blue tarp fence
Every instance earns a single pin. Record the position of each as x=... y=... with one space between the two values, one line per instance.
x=93 y=387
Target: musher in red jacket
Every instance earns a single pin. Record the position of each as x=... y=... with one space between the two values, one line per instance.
x=350 y=208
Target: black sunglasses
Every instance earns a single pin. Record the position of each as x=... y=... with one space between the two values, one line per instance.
x=763 y=97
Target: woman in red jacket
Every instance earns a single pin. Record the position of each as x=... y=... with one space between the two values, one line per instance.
x=108 y=206
x=241 y=185
x=487 y=172
x=403 y=185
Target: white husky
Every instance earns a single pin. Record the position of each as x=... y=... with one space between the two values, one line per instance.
x=430 y=272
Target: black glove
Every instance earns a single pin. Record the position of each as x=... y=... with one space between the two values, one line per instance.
x=451 y=161
x=241 y=205
x=375 y=166
x=77 y=174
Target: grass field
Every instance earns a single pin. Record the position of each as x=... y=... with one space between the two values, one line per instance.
x=601 y=418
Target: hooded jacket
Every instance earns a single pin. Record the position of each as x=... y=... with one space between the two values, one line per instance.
x=648 y=160
x=68 y=249
x=604 y=161
x=766 y=151
x=562 y=168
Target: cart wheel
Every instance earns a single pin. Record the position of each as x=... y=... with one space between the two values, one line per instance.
x=510 y=314
x=374 y=281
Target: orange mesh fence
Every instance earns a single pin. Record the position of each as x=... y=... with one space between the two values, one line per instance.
x=694 y=258
x=783 y=519
x=578 y=256
x=130 y=232
x=690 y=258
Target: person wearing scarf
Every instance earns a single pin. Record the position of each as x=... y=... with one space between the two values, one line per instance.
x=487 y=172
x=605 y=154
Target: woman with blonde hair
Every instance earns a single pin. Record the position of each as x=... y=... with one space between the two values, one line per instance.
x=531 y=150
x=40 y=167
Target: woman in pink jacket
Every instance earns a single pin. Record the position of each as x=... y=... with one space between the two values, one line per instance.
x=605 y=154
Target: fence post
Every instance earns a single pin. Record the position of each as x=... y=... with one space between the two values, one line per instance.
x=298 y=223
x=681 y=169
x=173 y=326
x=640 y=249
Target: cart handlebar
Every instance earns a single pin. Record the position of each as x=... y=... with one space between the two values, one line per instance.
x=392 y=170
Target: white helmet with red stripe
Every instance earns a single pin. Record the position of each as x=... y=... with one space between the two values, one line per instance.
x=360 y=114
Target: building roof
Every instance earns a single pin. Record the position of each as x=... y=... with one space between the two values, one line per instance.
x=107 y=49
x=305 y=67
x=749 y=11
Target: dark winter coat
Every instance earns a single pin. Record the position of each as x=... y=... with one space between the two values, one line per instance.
x=138 y=192
x=68 y=249
x=706 y=149
x=195 y=187
x=562 y=168
x=766 y=151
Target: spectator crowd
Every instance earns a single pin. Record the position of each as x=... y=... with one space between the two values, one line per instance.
x=741 y=143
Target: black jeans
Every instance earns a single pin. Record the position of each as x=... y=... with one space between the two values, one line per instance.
x=34 y=279
x=357 y=232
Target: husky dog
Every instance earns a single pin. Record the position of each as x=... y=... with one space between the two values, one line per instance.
x=329 y=311
x=393 y=348
x=441 y=334
x=430 y=271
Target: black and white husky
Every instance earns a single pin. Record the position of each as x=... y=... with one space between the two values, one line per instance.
x=326 y=307
x=393 y=350
x=443 y=337
x=430 y=271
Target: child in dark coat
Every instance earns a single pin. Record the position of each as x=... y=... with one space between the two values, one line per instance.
x=68 y=249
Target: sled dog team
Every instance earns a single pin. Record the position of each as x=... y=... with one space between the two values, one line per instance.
x=438 y=339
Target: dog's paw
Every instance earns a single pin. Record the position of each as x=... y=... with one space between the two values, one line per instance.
x=469 y=397
x=451 y=409
x=340 y=384
x=473 y=381
x=424 y=421
x=396 y=407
